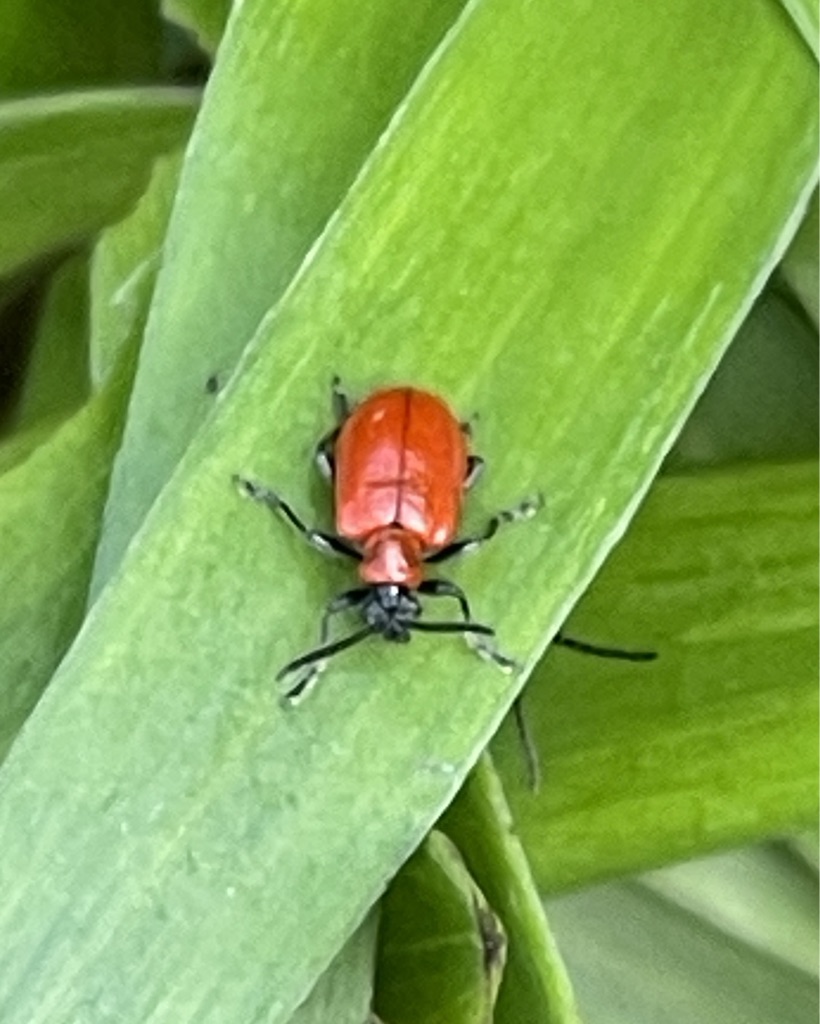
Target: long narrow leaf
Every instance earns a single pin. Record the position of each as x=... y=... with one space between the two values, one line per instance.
x=71 y=163
x=715 y=743
x=301 y=92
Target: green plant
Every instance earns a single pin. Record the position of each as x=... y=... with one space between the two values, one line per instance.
x=556 y=216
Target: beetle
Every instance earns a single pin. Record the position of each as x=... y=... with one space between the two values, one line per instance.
x=399 y=463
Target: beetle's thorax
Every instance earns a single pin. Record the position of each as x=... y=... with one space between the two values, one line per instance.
x=392 y=554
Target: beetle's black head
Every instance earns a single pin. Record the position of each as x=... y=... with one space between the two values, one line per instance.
x=389 y=609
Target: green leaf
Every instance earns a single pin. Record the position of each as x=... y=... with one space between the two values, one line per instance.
x=801 y=264
x=248 y=211
x=69 y=43
x=762 y=896
x=205 y=18
x=762 y=401
x=715 y=742
x=807 y=847
x=804 y=13
x=694 y=943
x=56 y=377
x=69 y=164
x=65 y=478
x=48 y=531
x=442 y=948
x=124 y=268
x=534 y=988
x=344 y=993
x=17 y=447
x=567 y=252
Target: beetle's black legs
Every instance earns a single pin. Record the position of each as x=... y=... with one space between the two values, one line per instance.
x=476 y=638
x=317 y=658
x=342 y=407
x=340 y=400
x=340 y=603
x=528 y=745
x=324 y=454
x=446 y=588
x=326 y=542
x=475 y=467
x=488 y=651
x=525 y=736
x=526 y=510
x=602 y=652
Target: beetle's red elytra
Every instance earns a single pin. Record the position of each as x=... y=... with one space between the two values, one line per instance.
x=400 y=465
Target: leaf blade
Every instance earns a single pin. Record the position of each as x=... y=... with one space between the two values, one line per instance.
x=719 y=731
x=73 y=162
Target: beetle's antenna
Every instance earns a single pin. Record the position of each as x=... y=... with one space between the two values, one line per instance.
x=451 y=627
x=320 y=653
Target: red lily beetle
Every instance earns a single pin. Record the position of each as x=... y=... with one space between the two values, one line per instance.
x=400 y=464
